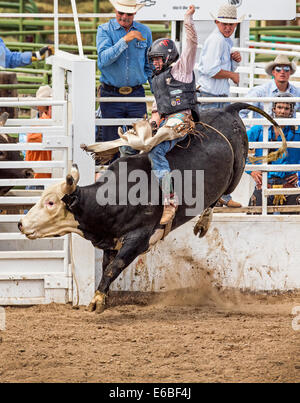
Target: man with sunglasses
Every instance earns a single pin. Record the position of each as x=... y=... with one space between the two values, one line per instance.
x=280 y=69
x=122 y=46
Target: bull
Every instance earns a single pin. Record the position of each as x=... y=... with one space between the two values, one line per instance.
x=125 y=231
x=10 y=173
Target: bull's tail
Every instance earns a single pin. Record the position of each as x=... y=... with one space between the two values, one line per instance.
x=274 y=155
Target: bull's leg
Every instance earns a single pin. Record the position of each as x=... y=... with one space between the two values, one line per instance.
x=203 y=223
x=134 y=244
x=108 y=256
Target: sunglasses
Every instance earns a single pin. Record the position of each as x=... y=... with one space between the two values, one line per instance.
x=129 y=14
x=286 y=69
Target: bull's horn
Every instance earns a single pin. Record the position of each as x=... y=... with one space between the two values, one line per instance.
x=71 y=181
x=75 y=173
x=69 y=186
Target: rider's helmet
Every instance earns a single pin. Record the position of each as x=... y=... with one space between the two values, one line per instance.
x=164 y=48
x=284 y=95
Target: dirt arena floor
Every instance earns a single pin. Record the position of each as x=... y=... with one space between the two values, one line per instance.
x=181 y=336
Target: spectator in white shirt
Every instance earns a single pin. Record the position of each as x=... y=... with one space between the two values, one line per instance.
x=217 y=65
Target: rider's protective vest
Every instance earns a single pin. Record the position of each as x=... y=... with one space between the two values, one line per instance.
x=173 y=96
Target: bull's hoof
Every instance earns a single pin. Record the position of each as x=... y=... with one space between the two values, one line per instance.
x=98 y=302
x=100 y=307
x=203 y=223
x=91 y=307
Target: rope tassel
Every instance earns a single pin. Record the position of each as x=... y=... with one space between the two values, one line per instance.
x=274 y=155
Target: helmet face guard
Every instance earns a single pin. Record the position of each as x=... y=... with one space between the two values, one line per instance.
x=164 y=48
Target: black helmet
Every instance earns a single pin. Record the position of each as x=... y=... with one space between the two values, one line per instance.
x=164 y=48
x=284 y=95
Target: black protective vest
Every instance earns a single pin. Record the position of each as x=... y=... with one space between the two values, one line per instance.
x=173 y=96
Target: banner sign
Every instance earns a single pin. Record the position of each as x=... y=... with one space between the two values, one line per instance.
x=174 y=10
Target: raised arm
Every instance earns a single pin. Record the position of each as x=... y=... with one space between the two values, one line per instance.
x=183 y=69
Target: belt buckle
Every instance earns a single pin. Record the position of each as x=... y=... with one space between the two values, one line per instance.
x=125 y=90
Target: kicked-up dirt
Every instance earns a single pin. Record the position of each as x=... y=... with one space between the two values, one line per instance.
x=191 y=335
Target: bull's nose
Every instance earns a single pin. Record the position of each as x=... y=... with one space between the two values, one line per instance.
x=20 y=226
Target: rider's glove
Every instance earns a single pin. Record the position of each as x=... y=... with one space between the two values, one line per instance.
x=41 y=54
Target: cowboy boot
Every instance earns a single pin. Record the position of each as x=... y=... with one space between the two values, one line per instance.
x=170 y=207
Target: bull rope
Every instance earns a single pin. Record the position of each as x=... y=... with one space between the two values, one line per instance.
x=220 y=133
x=274 y=155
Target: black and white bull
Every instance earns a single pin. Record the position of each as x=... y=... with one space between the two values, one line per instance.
x=126 y=231
x=10 y=173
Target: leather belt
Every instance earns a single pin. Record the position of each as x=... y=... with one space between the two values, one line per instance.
x=285 y=185
x=121 y=90
x=282 y=182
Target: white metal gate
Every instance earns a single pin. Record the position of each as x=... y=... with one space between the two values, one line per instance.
x=40 y=271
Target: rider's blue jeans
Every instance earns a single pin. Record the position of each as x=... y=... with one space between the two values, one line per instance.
x=157 y=156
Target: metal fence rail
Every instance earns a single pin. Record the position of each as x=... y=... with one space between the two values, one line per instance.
x=265 y=145
x=54 y=138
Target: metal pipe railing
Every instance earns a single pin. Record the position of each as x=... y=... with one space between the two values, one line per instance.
x=77 y=28
x=272 y=45
x=265 y=145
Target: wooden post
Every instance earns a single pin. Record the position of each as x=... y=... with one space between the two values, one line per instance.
x=7 y=77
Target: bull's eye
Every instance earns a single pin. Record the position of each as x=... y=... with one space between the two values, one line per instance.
x=49 y=203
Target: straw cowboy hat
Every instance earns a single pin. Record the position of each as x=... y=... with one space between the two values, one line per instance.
x=227 y=14
x=280 y=60
x=45 y=91
x=126 y=6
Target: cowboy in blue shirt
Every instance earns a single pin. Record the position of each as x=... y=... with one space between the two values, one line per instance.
x=291 y=156
x=9 y=59
x=122 y=46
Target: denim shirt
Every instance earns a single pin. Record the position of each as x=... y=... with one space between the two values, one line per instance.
x=215 y=56
x=268 y=89
x=123 y=64
x=291 y=156
x=11 y=59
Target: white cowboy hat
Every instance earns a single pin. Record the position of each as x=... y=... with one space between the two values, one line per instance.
x=45 y=91
x=280 y=60
x=126 y=6
x=227 y=14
